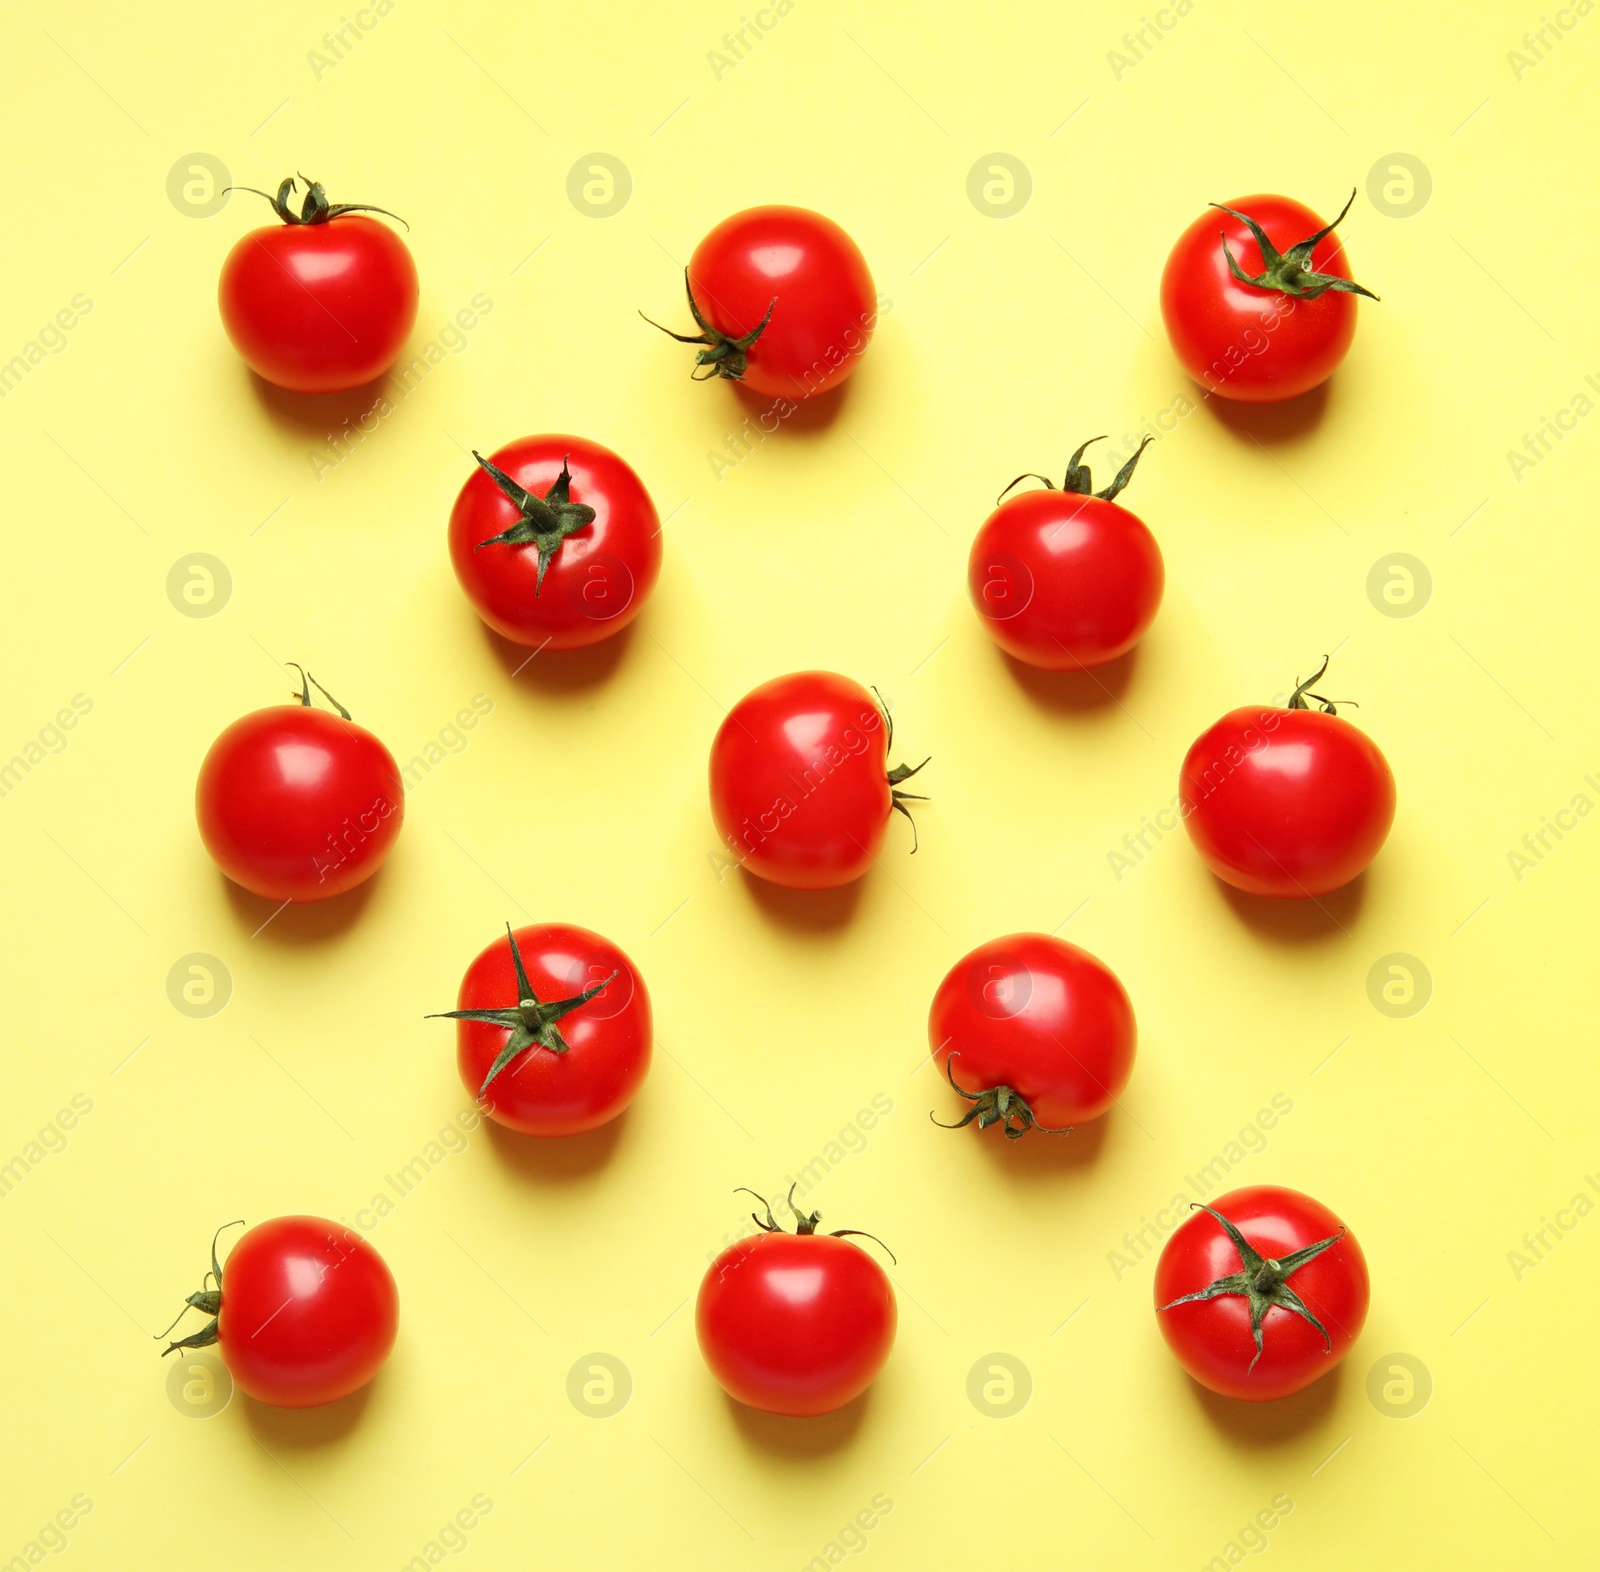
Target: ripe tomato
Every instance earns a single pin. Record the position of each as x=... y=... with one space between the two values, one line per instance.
x=324 y=302
x=1251 y=322
x=1066 y=579
x=1262 y=1293
x=307 y=1315
x=1034 y=1033
x=801 y=787
x=554 y=1035
x=296 y=804
x=783 y=301
x=556 y=542
x=1286 y=802
x=797 y=1323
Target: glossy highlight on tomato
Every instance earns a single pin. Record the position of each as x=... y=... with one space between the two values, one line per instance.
x=555 y=541
x=1276 y=320
x=322 y=301
x=1033 y=1033
x=801 y=787
x=554 y=1030
x=295 y=804
x=796 y=1324
x=1288 y=802
x=783 y=301
x=304 y=1313
x=1261 y=1292
x=1070 y=579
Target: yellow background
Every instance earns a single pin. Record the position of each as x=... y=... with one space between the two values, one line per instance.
x=839 y=542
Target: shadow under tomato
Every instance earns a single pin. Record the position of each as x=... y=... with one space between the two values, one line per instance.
x=304 y=1429
x=1272 y=425
x=804 y=911
x=1268 y=1424
x=808 y=415
x=1036 y=1155
x=796 y=1439
x=557 y=1159
x=1074 y=692
x=306 y=923
x=1304 y=920
x=317 y=414
x=561 y=672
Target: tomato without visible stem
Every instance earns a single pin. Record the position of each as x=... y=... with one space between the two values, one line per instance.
x=1267 y=1319
x=299 y=805
x=1066 y=579
x=321 y=302
x=1033 y=1032
x=801 y=787
x=1286 y=802
x=304 y=1313
x=783 y=301
x=556 y=542
x=554 y=1030
x=798 y=1323
x=1259 y=343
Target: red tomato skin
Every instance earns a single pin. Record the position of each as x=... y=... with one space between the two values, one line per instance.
x=599 y=578
x=1211 y=1339
x=1041 y=1016
x=800 y=782
x=610 y=1037
x=309 y=1312
x=1256 y=346
x=1286 y=803
x=296 y=804
x=826 y=302
x=795 y=1324
x=1065 y=582
x=319 y=308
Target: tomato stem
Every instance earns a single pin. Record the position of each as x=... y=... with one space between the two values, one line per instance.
x=1261 y=1280
x=1001 y=1105
x=1288 y=272
x=900 y=772
x=531 y=1022
x=544 y=522
x=805 y=1223
x=723 y=356
x=1079 y=480
x=206 y=1300
x=316 y=208
x=307 y=682
x=1297 y=699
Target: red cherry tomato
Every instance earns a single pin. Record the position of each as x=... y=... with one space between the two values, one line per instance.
x=554 y=1035
x=1066 y=579
x=1034 y=1033
x=801 y=787
x=323 y=302
x=1286 y=802
x=307 y=1314
x=795 y=1323
x=1261 y=1293
x=783 y=301
x=296 y=804
x=556 y=542
x=1274 y=322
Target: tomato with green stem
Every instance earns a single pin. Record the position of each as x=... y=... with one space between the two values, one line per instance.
x=1261 y=1293
x=797 y=1324
x=554 y=1030
x=306 y=1314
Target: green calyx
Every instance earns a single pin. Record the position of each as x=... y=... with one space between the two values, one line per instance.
x=316 y=209
x=722 y=356
x=206 y=1300
x=1302 y=692
x=1001 y=1105
x=1289 y=272
x=545 y=521
x=1078 y=478
x=899 y=773
x=1261 y=1280
x=307 y=682
x=806 y=1222
x=531 y=1022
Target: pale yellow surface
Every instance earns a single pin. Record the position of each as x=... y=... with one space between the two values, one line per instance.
x=1443 y=1137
